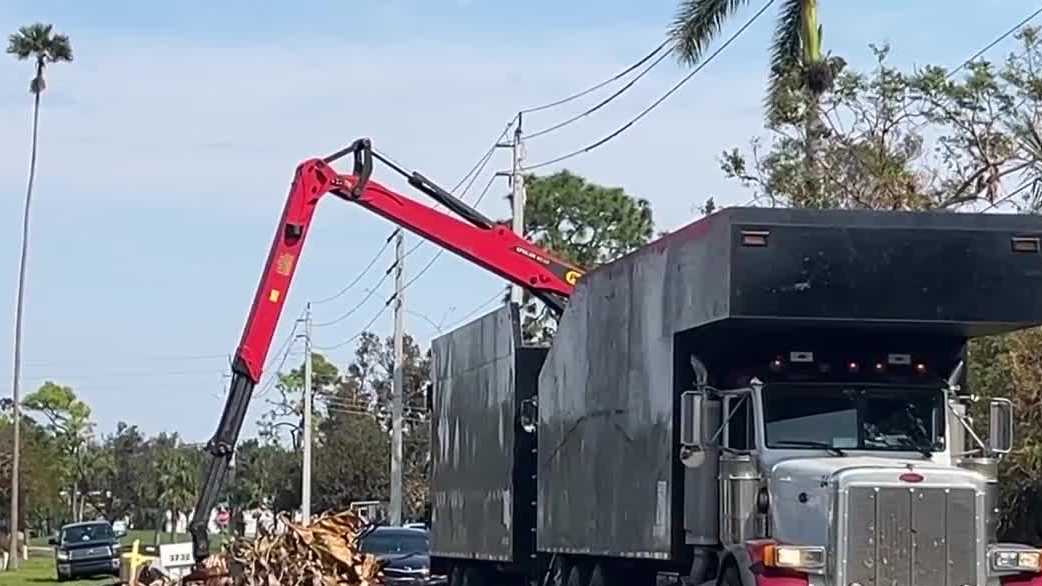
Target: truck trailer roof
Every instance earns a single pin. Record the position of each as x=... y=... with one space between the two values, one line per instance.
x=965 y=275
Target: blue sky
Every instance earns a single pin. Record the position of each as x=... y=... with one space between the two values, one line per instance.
x=168 y=146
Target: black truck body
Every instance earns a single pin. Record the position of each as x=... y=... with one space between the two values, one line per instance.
x=605 y=477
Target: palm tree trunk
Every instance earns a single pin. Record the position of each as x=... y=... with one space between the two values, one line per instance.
x=18 y=333
x=812 y=148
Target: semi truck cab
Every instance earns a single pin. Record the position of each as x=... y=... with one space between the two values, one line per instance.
x=853 y=468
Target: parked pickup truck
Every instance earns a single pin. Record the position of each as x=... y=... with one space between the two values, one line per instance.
x=86 y=549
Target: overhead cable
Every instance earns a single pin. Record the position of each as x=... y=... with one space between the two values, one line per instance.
x=598 y=86
x=437 y=254
x=361 y=302
x=998 y=40
x=600 y=104
x=364 y=329
x=659 y=101
x=349 y=286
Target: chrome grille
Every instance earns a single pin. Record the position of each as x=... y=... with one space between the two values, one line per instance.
x=898 y=536
x=89 y=552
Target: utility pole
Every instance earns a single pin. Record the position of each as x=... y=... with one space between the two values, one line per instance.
x=398 y=389
x=517 y=199
x=305 y=492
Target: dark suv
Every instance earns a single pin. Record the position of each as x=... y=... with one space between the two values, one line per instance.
x=86 y=549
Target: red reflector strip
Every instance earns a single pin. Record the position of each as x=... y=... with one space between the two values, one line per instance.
x=910 y=477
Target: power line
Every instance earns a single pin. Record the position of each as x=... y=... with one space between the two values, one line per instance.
x=476 y=169
x=602 y=103
x=659 y=101
x=354 y=282
x=469 y=178
x=361 y=303
x=274 y=374
x=364 y=329
x=992 y=44
x=440 y=251
x=598 y=86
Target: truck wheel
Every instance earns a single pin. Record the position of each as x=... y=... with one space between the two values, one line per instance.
x=730 y=576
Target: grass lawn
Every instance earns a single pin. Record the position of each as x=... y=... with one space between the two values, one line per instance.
x=40 y=570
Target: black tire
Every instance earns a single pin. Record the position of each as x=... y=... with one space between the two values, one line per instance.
x=730 y=576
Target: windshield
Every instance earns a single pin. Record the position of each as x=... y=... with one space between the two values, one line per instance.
x=387 y=542
x=95 y=532
x=842 y=417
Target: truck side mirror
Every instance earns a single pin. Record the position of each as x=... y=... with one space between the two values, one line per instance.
x=1001 y=426
x=529 y=415
x=691 y=419
x=53 y=541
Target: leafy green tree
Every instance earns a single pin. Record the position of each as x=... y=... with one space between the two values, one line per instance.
x=69 y=422
x=352 y=460
x=912 y=141
x=127 y=479
x=41 y=475
x=176 y=478
x=286 y=412
x=265 y=474
x=582 y=222
x=801 y=73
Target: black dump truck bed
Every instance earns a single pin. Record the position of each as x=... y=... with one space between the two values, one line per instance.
x=482 y=489
x=607 y=478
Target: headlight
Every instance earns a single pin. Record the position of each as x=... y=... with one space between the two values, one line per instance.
x=63 y=555
x=797 y=557
x=1016 y=560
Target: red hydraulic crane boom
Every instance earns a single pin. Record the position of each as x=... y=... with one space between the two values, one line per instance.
x=468 y=234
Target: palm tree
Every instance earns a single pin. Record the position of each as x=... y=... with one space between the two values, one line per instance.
x=35 y=41
x=798 y=64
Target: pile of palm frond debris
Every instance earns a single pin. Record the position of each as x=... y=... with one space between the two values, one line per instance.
x=324 y=553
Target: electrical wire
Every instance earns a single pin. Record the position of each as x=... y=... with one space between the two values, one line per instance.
x=498 y=296
x=361 y=303
x=598 y=86
x=992 y=44
x=659 y=101
x=600 y=104
x=364 y=329
x=376 y=257
x=437 y=254
x=469 y=178
x=274 y=376
x=480 y=165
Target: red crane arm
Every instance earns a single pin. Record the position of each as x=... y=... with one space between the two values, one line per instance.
x=491 y=245
x=471 y=235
